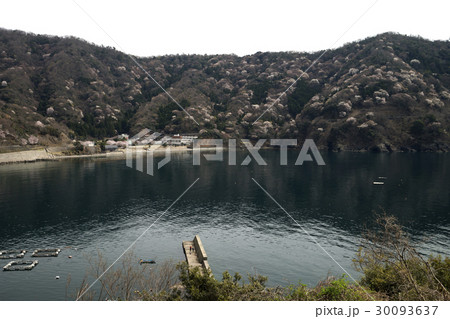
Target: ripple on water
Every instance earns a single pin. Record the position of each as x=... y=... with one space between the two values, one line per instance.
x=88 y=206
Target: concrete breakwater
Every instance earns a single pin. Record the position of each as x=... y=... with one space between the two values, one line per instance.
x=195 y=253
x=26 y=156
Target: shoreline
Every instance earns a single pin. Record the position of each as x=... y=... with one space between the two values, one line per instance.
x=42 y=155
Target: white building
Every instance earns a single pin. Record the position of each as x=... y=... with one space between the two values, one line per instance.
x=87 y=143
x=174 y=140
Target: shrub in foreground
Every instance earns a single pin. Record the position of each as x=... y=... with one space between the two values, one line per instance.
x=392 y=266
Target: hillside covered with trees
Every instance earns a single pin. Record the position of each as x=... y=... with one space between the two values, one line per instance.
x=386 y=93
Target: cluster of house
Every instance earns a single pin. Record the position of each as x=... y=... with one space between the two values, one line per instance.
x=145 y=137
x=176 y=140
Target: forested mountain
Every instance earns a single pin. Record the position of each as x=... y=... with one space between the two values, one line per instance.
x=388 y=92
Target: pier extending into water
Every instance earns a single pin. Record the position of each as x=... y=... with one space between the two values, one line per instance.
x=195 y=253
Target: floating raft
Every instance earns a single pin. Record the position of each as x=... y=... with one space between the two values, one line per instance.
x=16 y=265
x=48 y=252
x=12 y=254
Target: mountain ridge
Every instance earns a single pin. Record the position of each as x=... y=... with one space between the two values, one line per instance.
x=385 y=93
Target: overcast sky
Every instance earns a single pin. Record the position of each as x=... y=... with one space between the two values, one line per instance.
x=147 y=28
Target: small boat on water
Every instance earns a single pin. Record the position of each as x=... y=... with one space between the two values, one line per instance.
x=148 y=261
x=378 y=183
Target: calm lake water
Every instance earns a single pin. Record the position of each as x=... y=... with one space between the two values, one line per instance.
x=103 y=205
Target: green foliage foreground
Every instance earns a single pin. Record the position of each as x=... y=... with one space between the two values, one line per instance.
x=392 y=266
x=201 y=285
